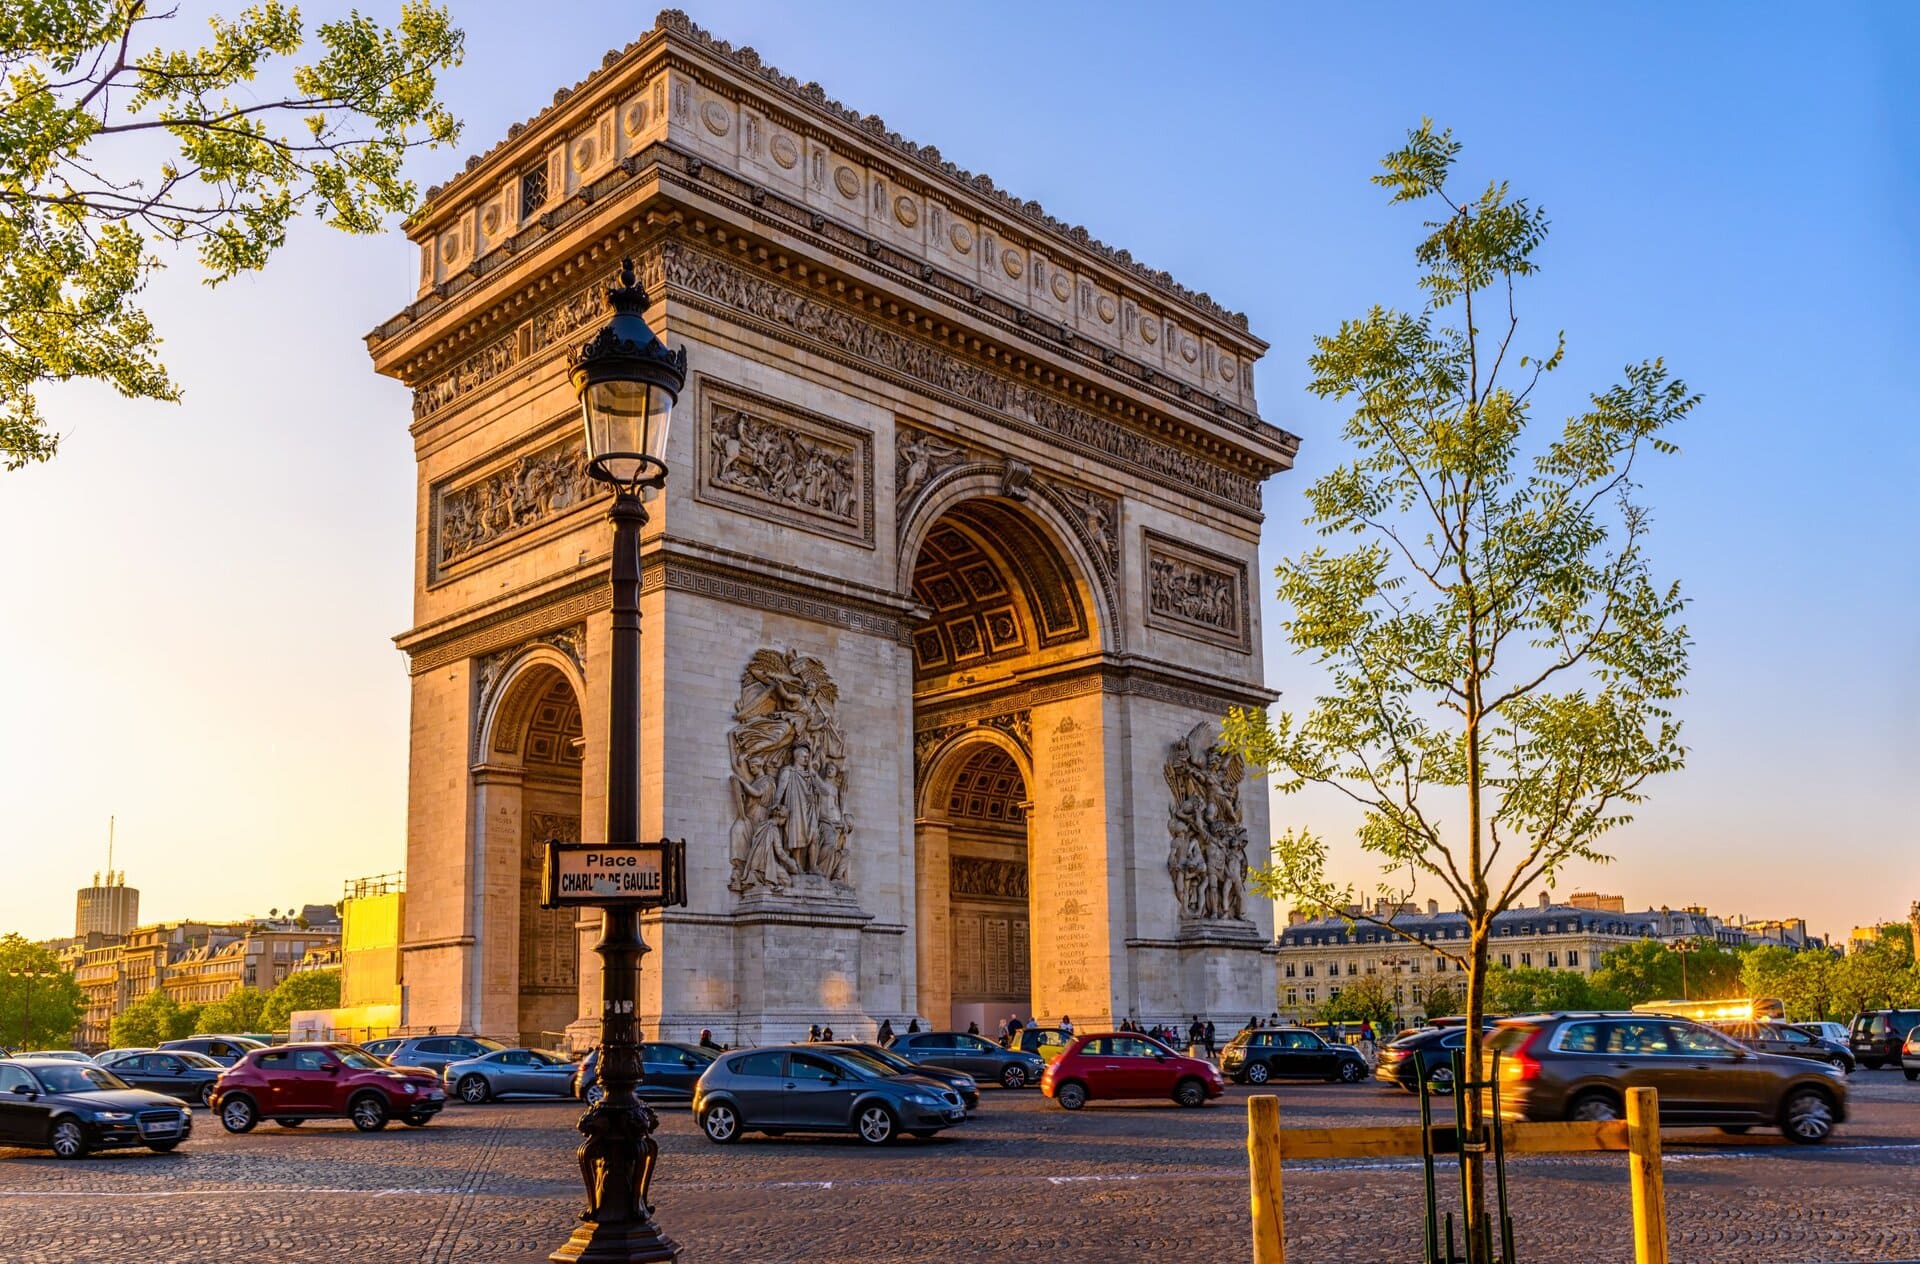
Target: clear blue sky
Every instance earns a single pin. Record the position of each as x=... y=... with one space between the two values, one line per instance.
x=199 y=599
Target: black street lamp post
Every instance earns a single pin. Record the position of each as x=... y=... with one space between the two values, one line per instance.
x=1685 y=948
x=627 y=381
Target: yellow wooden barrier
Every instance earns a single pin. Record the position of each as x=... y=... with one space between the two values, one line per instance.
x=1639 y=1136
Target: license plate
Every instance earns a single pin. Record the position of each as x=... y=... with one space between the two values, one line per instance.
x=957 y=1115
x=159 y=1129
x=435 y=1095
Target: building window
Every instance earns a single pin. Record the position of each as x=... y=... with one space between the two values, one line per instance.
x=1573 y=958
x=1439 y=965
x=1293 y=997
x=1353 y=968
x=1289 y=969
x=1313 y=995
x=1307 y=970
x=1399 y=995
x=1553 y=961
x=1526 y=959
x=533 y=191
x=1506 y=959
x=1416 y=994
x=1414 y=965
x=1333 y=994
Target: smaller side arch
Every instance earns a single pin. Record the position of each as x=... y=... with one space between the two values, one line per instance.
x=508 y=693
x=944 y=763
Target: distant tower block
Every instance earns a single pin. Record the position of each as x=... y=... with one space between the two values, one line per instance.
x=110 y=906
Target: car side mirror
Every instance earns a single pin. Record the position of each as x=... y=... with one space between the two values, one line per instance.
x=332 y=1068
x=23 y=1090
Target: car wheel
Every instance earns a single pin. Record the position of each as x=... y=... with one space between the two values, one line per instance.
x=68 y=1140
x=1014 y=1076
x=1807 y=1117
x=475 y=1089
x=596 y=1093
x=1440 y=1081
x=1838 y=1064
x=237 y=1114
x=1352 y=1072
x=162 y=1147
x=1594 y=1108
x=368 y=1112
x=1072 y=1095
x=720 y=1124
x=1190 y=1093
x=206 y=1094
x=1257 y=1073
x=877 y=1124
x=290 y=1123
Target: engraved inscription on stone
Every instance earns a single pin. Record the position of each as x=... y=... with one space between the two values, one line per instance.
x=999 y=973
x=1070 y=766
x=512 y=499
x=763 y=458
x=789 y=778
x=1207 y=860
x=1195 y=593
x=549 y=948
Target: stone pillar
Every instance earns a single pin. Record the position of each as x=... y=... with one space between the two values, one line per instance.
x=933 y=930
x=492 y=985
x=1070 y=875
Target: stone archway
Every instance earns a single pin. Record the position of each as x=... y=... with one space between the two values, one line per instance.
x=527 y=788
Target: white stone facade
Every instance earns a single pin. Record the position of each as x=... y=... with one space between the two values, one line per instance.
x=997 y=481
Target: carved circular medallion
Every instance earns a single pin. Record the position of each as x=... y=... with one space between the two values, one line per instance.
x=784 y=151
x=1062 y=288
x=1149 y=331
x=1227 y=369
x=583 y=154
x=490 y=220
x=1189 y=350
x=634 y=117
x=962 y=238
x=715 y=116
x=847 y=180
x=449 y=249
x=1011 y=261
x=905 y=211
x=1106 y=309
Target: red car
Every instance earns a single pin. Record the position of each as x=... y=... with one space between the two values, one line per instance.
x=1118 y=1064
x=291 y=1084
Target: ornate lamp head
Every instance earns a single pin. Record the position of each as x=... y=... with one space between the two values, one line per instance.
x=628 y=382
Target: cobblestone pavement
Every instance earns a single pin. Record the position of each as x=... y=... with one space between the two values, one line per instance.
x=1022 y=1180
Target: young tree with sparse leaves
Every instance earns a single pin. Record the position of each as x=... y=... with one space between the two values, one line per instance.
x=115 y=134
x=40 y=1003
x=1501 y=659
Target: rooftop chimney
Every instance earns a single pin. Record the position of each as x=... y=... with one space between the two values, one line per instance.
x=1433 y=908
x=1546 y=900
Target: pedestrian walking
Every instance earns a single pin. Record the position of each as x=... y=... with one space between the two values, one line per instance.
x=913 y=1026
x=1066 y=1026
x=1208 y=1037
x=973 y=1027
x=708 y=1042
x=884 y=1036
x=813 y=1034
x=826 y=1035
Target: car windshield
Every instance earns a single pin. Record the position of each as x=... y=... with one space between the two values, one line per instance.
x=489 y=1045
x=78 y=1078
x=200 y=1060
x=864 y=1063
x=360 y=1059
x=894 y=1063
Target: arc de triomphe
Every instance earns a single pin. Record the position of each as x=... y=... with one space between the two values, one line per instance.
x=952 y=579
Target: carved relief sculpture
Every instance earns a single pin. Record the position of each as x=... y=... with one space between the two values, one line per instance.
x=921 y=456
x=1207 y=859
x=988 y=878
x=1196 y=593
x=511 y=499
x=762 y=458
x=790 y=828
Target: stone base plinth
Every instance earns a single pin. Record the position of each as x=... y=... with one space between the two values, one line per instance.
x=798 y=963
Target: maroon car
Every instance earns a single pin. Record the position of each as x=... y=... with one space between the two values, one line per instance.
x=291 y=1084
x=1112 y=1065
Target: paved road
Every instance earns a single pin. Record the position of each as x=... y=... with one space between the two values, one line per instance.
x=1022 y=1180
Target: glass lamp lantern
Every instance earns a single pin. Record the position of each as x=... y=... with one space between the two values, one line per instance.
x=628 y=381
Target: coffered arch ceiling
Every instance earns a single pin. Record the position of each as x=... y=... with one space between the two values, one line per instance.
x=997 y=589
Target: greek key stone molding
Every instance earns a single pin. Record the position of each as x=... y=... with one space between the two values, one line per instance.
x=1002 y=398
x=1196 y=593
x=788 y=785
x=1017 y=725
x=474 y=515
x=489 y=673
x=986 y=878
x=1207 y=858
x=773 y=461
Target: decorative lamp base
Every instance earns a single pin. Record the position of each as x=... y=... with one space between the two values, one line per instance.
x=616 y=1244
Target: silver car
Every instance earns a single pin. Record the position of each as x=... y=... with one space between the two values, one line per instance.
x=510 y=1072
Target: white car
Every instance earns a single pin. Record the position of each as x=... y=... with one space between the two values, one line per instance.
x=1835 y=1032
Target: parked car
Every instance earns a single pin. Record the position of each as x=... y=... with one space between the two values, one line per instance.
x=1877 y=1035
x=106 y=1055
x=984 y=1060
x=73 y=1108
x=819 y=1088
x=1910 y=1054
x=65 y=1055
x=1426 y=1053
x=1289 y=1053
x=959 y=1081
x=1785 y=1040
x=668 y=1072
x=293 y=1083
x=226 y=1050
x=178 y=1073
x=1109 y=1066
x=1044 y=1042
x=1579 y=1066
x=431 y=1053
x=510 y=1073
x=1835 y=1032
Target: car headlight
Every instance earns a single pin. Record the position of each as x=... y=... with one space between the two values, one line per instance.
x=111 y=1116
x=923 y=1099
x=966 y=1082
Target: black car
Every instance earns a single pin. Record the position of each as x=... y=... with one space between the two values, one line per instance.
x=819 y=1088
x=1876 y=1035
x=959 y=1081
x=1785 y=1040
x=1428 y=1054
x=668 y=1072
x=1289 y=1053
x=178 y=1073
x=984 y=1060
x=73 y=1108
x=226 y=1050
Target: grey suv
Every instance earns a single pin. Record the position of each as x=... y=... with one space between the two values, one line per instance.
x=431 y=1052
x=819 y=1088
x=1579 y=1066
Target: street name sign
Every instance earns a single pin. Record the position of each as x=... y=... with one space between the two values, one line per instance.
x=639 y=875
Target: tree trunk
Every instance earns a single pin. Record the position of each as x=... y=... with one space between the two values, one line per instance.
x=1472 y=1165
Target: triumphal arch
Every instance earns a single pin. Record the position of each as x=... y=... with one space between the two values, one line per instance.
x=950 y=584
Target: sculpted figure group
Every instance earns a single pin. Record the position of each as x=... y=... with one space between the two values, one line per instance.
x=1192 y=593
x=525 y=492
x=1208 y=857
x=783 y=466
x=789 y=776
